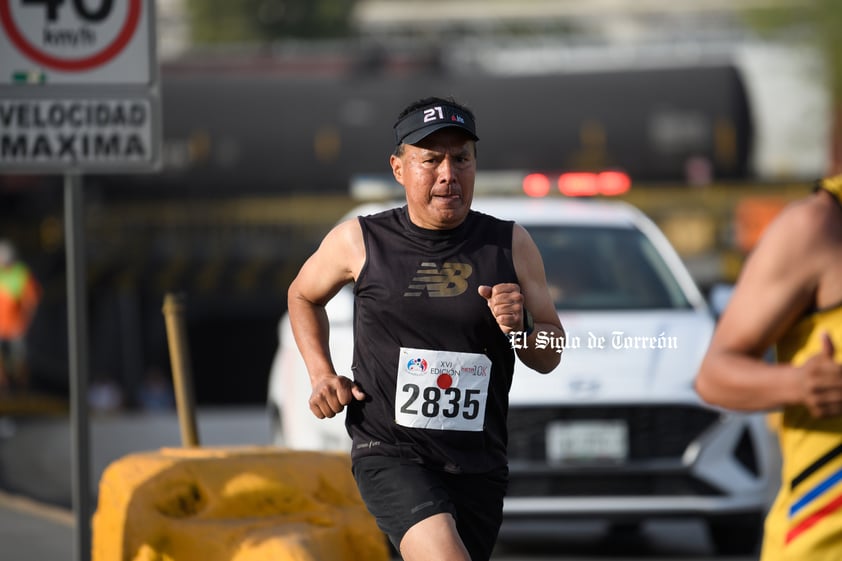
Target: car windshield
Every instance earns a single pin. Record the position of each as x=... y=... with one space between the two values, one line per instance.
x=605 y=268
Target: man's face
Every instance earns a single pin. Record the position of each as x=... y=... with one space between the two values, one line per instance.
x=438 y=176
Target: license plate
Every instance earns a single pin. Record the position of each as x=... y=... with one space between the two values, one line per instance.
x=587 y=441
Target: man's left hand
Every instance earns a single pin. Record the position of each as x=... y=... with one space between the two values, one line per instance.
x=506 y=304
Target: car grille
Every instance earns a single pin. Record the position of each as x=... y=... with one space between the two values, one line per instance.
x=658 y=436
x=525 y=484
x=655 y=432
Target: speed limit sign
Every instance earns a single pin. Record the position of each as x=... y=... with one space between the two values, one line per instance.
x=78 y=86
x=76 y=42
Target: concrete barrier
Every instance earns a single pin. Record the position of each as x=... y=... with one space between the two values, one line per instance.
x=233 y=504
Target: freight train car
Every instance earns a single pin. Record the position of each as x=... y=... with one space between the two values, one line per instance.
x=258 y=131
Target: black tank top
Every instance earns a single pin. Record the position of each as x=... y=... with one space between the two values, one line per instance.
x=418 y=290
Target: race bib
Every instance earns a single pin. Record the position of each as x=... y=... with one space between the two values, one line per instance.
x=442 y=390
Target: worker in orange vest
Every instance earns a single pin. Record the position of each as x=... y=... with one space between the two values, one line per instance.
x=20 y=295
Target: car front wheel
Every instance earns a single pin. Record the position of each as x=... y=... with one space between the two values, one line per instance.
x=736 y=534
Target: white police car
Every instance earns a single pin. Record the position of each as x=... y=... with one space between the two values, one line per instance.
x=617 y=432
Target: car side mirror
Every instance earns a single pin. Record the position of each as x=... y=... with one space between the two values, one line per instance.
x=719 y=296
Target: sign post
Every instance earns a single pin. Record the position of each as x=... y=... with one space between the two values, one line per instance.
x=78 y=94
x=77 y=331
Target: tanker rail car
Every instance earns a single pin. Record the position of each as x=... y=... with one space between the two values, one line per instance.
x=262 y=132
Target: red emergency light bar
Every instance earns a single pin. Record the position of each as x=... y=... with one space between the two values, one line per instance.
x=579 y=184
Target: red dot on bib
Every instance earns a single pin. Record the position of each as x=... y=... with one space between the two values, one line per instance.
x=444 y=381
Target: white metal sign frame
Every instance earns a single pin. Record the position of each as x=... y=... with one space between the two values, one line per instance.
x=79 y=89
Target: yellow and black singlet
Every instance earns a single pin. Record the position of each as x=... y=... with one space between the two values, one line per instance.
x=805 y=522
x=832 y=185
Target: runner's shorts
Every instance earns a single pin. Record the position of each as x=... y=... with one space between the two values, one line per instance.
x=400 y=493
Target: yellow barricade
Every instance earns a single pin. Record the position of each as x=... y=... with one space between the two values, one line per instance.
x=233 y=504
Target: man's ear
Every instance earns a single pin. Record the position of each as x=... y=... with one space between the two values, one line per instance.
x=397 y=168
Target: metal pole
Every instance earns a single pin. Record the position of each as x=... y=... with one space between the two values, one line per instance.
x=77 y=339
x=180 y=362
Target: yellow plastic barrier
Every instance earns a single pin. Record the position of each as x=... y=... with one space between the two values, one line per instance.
x=240 y=504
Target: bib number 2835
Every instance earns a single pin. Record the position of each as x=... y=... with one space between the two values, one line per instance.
x=441 y=389
x=450 y=402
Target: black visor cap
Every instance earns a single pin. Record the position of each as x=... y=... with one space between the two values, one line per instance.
x=416 y=126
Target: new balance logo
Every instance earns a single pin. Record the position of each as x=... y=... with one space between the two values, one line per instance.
x=450 y=280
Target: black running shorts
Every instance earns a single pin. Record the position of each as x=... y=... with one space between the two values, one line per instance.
x=400 y=493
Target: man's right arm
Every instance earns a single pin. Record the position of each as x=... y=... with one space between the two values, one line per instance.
x=775 y=288
x=335 y=263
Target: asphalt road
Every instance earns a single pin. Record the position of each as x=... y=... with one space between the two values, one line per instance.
x=36 y=521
